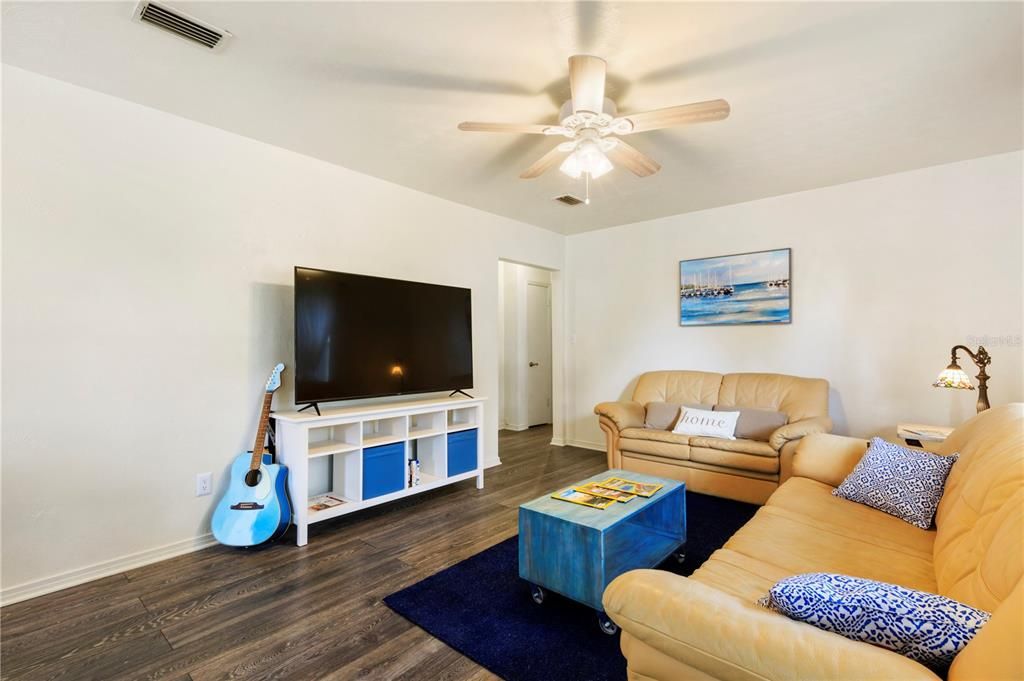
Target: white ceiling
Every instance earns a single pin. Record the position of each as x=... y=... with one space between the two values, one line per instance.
x=821 y=93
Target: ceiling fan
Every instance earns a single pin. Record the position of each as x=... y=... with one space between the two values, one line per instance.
x=592 y=125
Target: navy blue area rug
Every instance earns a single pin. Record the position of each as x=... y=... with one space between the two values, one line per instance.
x=483 y=609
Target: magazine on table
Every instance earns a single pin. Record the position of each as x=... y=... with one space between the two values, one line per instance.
x=595 y=489
x=576 y=497
x=641 y=489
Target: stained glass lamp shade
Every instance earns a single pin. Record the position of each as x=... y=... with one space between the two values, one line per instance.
x=953 y=377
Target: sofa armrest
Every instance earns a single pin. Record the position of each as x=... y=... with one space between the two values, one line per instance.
x=727 y=638
x=622 y=414
x=828 y=458
x=799 y=429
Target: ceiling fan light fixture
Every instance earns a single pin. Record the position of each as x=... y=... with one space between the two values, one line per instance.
x=591 y=123
x=571 y=166
x=587 y=158
x=602 y=167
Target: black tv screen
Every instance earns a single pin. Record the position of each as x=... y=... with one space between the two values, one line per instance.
x=361 y=336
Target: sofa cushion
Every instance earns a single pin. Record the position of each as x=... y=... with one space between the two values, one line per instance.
x=737 y=445
x=906 y=483
x=682 y=387
x=778 y=542
x=923 y=626
x=979 y=556
x=736 y=460
x=813 y=499
x=743 y=576
x=654 y=435
x=711 y=635
x=986 y=657
x=799 y=398
x=756 y=424
x=656 y=442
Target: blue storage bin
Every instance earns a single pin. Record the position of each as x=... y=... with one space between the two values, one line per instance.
x=383 y=470
x=461 y=451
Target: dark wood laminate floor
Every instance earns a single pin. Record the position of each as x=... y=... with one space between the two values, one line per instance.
x=285 y=612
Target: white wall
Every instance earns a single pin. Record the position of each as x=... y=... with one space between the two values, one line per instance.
x=514 y=279
x=147 y=269
x=147 y=285
x=888 y=274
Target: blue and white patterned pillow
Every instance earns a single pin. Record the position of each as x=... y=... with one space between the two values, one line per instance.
x=906 y=483
x=925 y=627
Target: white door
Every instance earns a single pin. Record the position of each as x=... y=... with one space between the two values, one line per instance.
x=538 y=354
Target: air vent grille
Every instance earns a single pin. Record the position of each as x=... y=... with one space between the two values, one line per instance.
x=569 y=200
x=180 y=24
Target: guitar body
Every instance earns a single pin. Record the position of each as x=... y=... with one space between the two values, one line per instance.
x=250 y=515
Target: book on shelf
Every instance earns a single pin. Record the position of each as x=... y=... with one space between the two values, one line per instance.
x=606 y=492
x=582 y=498
x=322 y=502
x=640 y=489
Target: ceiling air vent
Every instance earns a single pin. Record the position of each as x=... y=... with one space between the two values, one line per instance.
x=569 y=200
x=181 y=25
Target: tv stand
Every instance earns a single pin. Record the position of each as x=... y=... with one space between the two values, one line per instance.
x=315 y=406
x=360 y=455
x=460 y=392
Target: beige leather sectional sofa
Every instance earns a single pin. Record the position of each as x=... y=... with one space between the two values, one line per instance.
x=742 y=469
x=708 y=625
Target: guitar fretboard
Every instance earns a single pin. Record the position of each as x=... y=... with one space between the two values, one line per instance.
x=261 y=433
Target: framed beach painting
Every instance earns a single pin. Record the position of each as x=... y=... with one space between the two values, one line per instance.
x=746 y=288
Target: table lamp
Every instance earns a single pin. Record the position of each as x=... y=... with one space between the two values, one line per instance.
x=955 y=377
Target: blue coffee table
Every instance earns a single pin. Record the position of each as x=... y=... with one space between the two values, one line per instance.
x=576 y=550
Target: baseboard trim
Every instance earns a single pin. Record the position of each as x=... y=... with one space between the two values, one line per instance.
x=557 y=442
x=514 y=428
x=64 y=580
x=584 y=444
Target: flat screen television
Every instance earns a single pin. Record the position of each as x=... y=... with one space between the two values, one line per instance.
x=361 y=336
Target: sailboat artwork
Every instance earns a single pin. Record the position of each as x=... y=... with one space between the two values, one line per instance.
x=746 y=288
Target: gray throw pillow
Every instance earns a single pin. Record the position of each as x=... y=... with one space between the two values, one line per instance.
x=756 y=424
x=663 y=415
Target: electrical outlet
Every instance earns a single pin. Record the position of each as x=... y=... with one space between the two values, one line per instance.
x=204 y=484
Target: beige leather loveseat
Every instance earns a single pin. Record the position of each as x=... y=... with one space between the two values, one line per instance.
x=743 y=469
x=708 y=626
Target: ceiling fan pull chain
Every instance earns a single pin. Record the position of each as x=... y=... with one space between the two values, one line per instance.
x=587 y=200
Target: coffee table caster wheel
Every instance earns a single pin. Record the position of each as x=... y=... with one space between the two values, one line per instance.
x=606 y=624
x=537 y=594
x=680 y=557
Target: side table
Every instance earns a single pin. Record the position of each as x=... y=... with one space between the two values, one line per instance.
x=917 y=434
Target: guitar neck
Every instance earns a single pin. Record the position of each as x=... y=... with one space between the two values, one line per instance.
x=261 y=433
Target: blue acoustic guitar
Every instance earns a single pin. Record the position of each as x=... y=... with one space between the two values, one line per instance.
x=255 y=508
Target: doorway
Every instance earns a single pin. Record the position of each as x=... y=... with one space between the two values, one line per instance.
x=538 y=353
x=525 y=328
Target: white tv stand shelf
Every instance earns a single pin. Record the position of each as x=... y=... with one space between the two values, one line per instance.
x=368 y=443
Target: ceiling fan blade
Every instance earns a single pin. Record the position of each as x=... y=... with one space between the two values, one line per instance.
x=541 y=165
x=526 y=128
x=701 y=112
x=635 y=161
x=586 y=82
